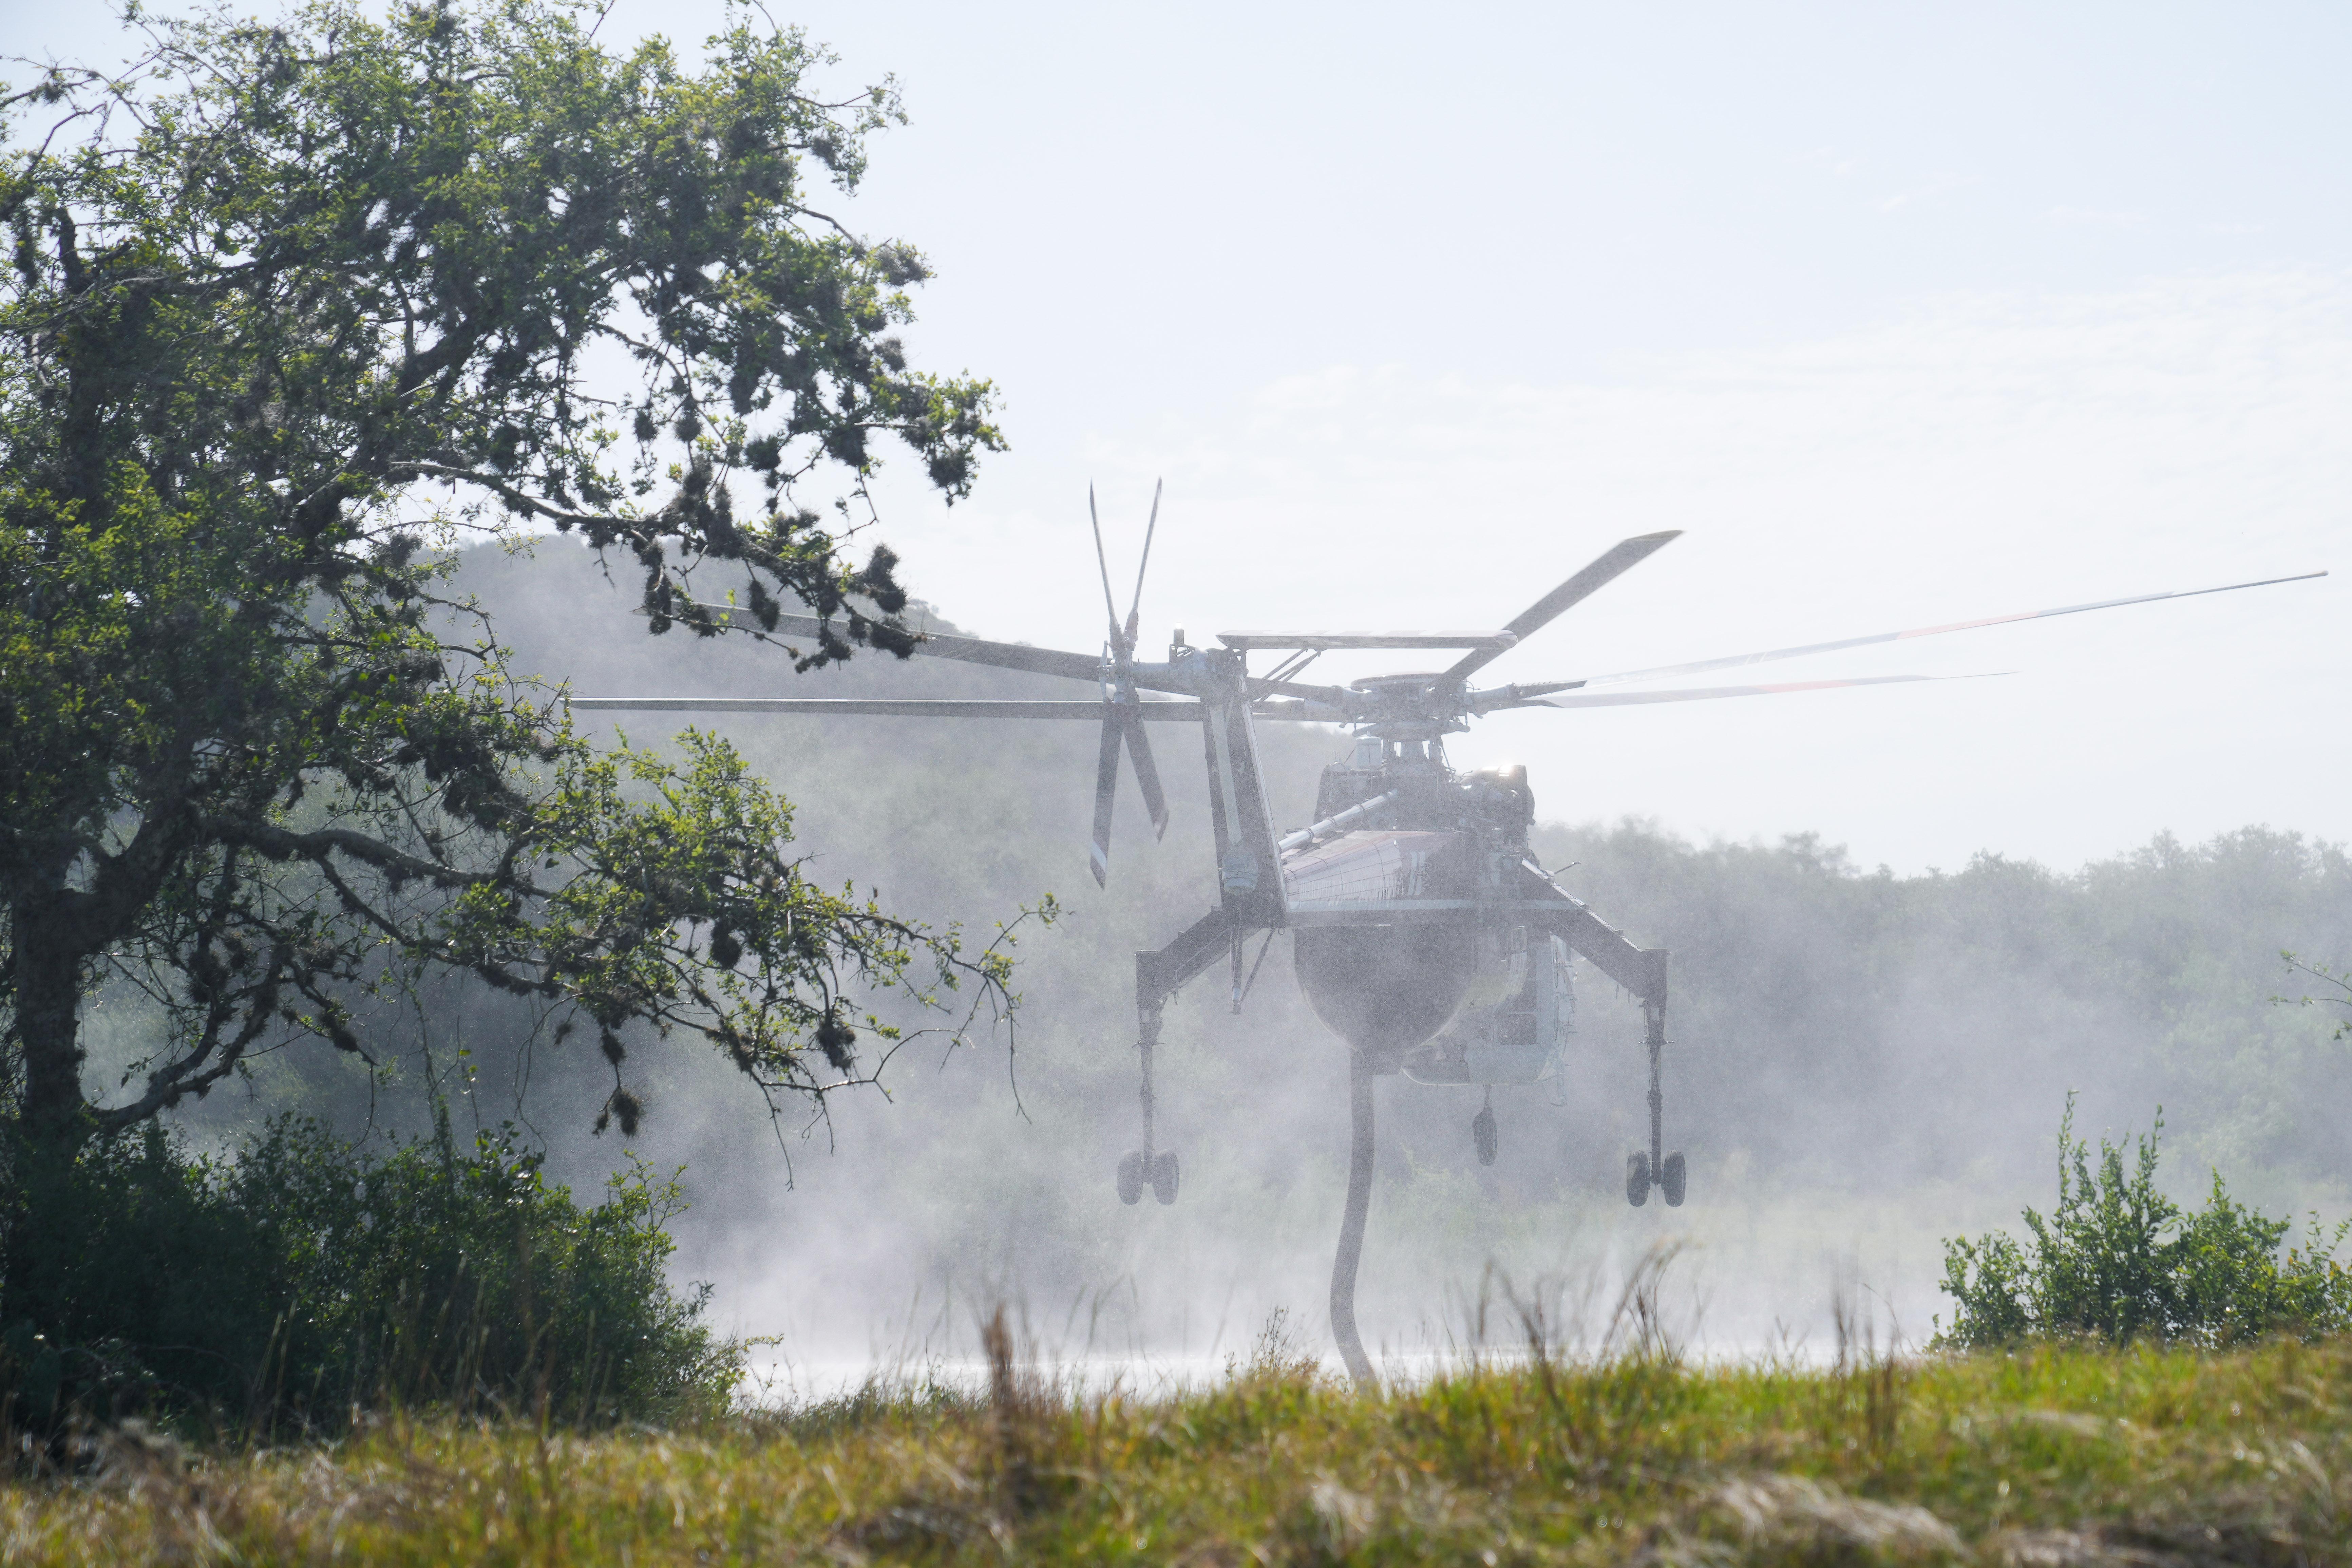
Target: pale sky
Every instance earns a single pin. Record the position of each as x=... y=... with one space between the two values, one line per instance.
x=1905 y=314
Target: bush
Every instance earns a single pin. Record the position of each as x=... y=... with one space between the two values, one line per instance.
x=299 y=1283
x=2118 y=1261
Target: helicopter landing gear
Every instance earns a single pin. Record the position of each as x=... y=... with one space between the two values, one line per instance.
x=1482 y=1131
x=1160 y=1170
x=1657 y=1168
x=1136 y=1167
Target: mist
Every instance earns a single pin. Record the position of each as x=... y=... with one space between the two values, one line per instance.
x=1863 y=1063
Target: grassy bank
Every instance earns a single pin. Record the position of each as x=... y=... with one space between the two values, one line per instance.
x=2053 y=1456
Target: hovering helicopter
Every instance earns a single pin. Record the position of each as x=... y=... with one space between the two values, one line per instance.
x=1425 y=935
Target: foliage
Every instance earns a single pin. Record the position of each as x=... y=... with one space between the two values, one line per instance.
x=2055 y=1455
x=2118 y=1261
x=268 y=285
x=289 y=1285
x=2337 y=990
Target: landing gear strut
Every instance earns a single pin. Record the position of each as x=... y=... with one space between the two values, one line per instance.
x=1138 y=1166
x=1657 y=1168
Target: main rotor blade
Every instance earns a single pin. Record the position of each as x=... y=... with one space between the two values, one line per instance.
x=1703 y=694
x=1290 y=712
x=1336 y=695
x=1151 y=527
x=1620 y=558
x=1146 y=771
x=1106 y=792
x=1083 y=666
x=899 y=707
x=1322 y=642
x=1737 y=660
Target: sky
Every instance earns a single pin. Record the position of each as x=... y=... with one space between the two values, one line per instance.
x=1904 y=315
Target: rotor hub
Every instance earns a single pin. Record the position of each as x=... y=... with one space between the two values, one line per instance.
x=1416 y=707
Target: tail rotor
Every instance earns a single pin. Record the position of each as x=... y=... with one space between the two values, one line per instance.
x=1122 y=722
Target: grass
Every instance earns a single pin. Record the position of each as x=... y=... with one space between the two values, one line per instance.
x=2052 y=1457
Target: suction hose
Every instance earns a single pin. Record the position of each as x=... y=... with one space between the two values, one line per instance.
x=1351 y=1223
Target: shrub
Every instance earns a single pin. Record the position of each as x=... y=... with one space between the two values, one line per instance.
x=2117 y=1260
x=299 y=1283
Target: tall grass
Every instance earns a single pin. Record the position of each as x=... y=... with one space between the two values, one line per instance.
x=2144 y=1455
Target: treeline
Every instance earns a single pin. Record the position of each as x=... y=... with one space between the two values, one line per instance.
x=1861 y=1026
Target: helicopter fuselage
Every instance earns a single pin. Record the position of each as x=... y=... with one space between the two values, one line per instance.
x=1424 y=936
x=1406 y=927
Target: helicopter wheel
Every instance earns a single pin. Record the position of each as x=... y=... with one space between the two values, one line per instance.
x=1671 y=1178
x=1637 y=1179
x=1130 y=1178
x=1483 y=1134
x=1163 y=1178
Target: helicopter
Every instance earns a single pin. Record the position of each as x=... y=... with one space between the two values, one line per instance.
x=1425 y=935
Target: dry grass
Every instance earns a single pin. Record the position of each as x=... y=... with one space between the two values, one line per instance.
x=2054 y=1458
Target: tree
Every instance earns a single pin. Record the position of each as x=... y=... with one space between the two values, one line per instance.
x=292 y=309
x=2331 y=980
